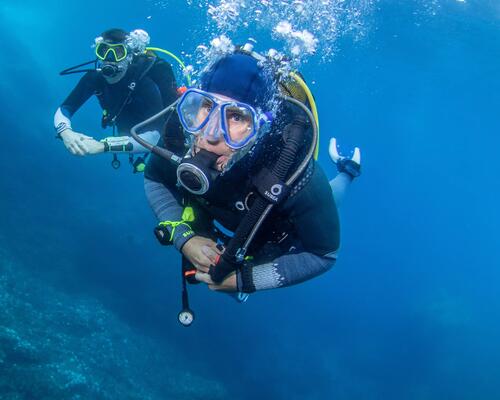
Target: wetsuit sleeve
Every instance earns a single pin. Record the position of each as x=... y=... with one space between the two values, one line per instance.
x=316 y=226
x=167 y=209
x=165 y=200
x=163 y=75
x=284 y=271
x=85 y=88
x=61 y=121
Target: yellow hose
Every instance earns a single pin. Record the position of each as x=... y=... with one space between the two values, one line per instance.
x=179 y=61
x=312 y=103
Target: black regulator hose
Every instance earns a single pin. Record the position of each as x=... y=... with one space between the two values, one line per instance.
x=164 y=153
x=237 y=247
x=301 y=168
x=75 y=70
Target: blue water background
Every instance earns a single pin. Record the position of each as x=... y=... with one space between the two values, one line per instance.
x=411 y=309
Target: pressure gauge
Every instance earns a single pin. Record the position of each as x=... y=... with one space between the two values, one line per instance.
x=186 y=317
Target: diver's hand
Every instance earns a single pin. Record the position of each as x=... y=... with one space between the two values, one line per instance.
x=93 y=146
x=201 y=252
x=75 y=142
x=227 y=285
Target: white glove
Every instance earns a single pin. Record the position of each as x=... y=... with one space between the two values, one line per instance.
x=80 y=144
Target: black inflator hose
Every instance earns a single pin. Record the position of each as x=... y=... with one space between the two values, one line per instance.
x=229 y=260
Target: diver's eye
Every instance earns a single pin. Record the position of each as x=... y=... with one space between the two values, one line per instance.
x=236 y=117
x=207 y=105
x=236 y=114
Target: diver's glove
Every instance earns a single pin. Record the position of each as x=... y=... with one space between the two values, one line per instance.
x=349 y=165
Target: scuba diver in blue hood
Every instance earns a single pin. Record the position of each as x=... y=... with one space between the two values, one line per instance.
x=247 y=205
x=131 y=83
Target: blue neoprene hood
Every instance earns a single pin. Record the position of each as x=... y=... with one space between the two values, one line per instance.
x=239 y=76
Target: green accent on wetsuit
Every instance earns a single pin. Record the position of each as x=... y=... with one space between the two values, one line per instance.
x=188 y=214
x=140 y=167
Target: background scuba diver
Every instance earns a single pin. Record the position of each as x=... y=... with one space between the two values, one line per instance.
x=130 y=83
x=231 y=140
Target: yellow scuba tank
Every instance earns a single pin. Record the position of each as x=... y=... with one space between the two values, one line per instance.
x=295 y=87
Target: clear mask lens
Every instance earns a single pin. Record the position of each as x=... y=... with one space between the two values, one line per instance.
x=195 y=110
x=204 y=114
x=238 y=123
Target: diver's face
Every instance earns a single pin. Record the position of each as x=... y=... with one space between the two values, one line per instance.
x=216 y=146
x=238 y=126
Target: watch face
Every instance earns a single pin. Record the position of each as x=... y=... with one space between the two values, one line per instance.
x=186 y=317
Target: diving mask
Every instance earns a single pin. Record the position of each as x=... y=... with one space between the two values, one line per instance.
x=111 y=52
x=212 y=116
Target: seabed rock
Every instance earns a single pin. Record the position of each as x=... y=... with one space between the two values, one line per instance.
x=54 y=346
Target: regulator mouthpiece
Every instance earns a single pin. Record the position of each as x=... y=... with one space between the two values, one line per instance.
x=110 y=70
x=196 y=174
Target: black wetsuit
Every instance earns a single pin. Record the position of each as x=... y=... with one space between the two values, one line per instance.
x=153 y=92
x=299 y=239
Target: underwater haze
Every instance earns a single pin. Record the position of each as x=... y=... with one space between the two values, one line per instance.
x=89 y=300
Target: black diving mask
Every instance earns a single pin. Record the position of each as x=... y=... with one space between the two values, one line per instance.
x=198 y=173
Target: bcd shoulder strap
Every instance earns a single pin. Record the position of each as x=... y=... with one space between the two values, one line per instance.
x=132 y=85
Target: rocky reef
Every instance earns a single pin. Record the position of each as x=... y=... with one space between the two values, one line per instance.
x=57 y=346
